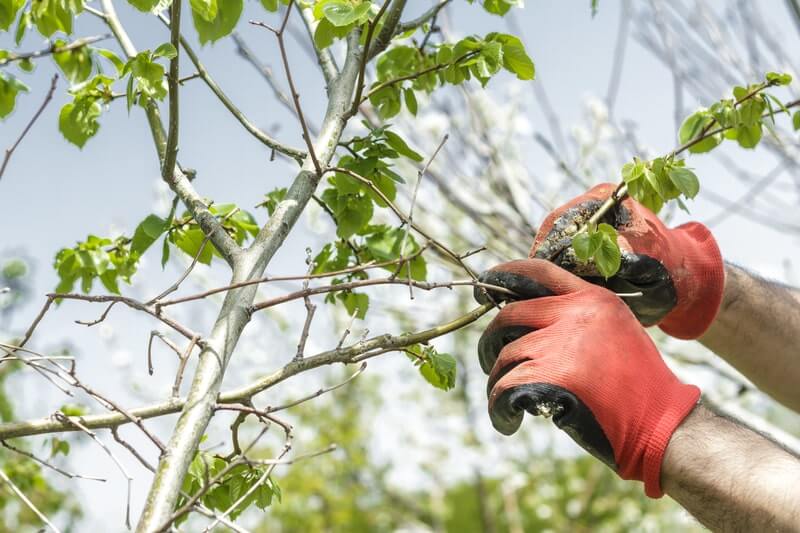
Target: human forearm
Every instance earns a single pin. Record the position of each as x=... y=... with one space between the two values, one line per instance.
x=731 y=478
x=757 y=330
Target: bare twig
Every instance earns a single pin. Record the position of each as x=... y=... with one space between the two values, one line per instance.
x=295 y=96
x=26 y=129
x=420 y=175
x=27 y=502
x=53 y=467
x=52 y=49
x=71 y=420
x=261 y=136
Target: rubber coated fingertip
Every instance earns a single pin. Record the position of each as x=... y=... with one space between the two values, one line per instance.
x=492 y=342
x=522 y=287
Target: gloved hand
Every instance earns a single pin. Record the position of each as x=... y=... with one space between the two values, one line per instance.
x=580 y=355
x=679 y=271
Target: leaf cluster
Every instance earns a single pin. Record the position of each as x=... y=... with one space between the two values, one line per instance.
x=403 y=70
x=438 y=369
x=232 y=486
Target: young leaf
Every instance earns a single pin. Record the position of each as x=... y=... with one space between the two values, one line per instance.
x=77 y=121
x=685 y=180
x=227 y=16
x=10 y=87
x=76 y=64
x=693 y=127
x=608 y=256
x=397 y=142
x=147 y=232
x=439 y=369
x=585 y=245
x=166 y=51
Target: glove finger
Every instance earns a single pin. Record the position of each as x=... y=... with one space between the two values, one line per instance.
x=514 y=321
x=520 y=391
x=524 y=287
x=557 y=224
x=642 y=273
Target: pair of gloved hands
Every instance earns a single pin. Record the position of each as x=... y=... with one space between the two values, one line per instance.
x=571 y=348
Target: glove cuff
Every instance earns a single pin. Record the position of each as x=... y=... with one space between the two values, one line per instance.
x=679 y=408
x=699 y=279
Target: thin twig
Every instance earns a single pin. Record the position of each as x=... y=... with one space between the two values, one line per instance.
x=295 y=96
x=68 y=420
x=420 y=175
x=10 y=150
x=52 y=49
x=53 y=467
x=318 y=393
x=27 y=502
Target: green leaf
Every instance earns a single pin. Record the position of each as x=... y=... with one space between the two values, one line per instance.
x=685 y=180
x=778 y=78
x=190 y=240
x=77 y=121
x=499 y=7
x=692 y=128
x=147 y=232
x=411 y=101
x=51 y=16
x=8 y=12
x=73 y=409
x=25 y=22
x=166 y=51
x=343 y=13
x=748 y=136
x=113 y=58
x=273 y=199
x=76 y=64
x=397 y=142
x=144 y=5
x=270 y=5
x=323 y=35
x=355 y=303
x=205 y=9
x=585 y=245
x=165 y=252
x=58 y=446
x=227 y=16
x=608 y=256
x=796 y=120
x=632 y=171
x=515 y=58
x=439 y=369
x=10 y=87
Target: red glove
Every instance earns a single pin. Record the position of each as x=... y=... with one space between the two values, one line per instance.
x=679 y=271
x=581 y=355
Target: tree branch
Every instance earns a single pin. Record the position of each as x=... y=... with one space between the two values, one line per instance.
x=177 y=181
x=388 y=30
x=171 y=148
x=233 y=316
x=261 y=136
x=324 y=57
x=52 y=49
